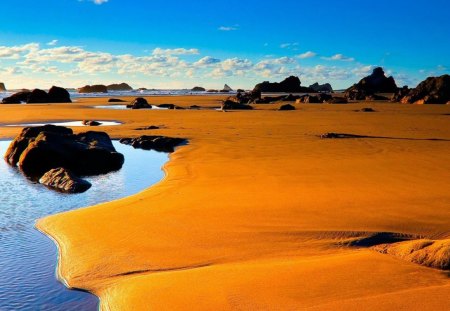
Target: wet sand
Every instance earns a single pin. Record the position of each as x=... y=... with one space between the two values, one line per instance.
x=258 y=213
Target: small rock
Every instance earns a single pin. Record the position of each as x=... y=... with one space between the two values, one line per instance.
x=64 y=180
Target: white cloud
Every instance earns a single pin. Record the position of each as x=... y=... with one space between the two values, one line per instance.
x=339 y=57
x=17 y=51
x=229 y=28
x=178 y=51
x=292 y=46
x=99 y=1
x=308 y=54
x=205 y=61
x=52 y=43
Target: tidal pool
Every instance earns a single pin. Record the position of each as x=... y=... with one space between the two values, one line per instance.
x=64 y=123
x=28 y=258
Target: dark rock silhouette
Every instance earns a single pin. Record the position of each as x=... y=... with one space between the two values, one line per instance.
x=373 y=97
x=233 y=105
x=400 y=93
x=170 y=106
x=158 y=143
x=119 y=87
x=139 y=103
x=433 y=90
x=2 y=87
x=58 y=94
x=227 y=88
x=64 y=180
x=377 y=82
x=287 y=107
x=115 y=100
x=288 y=85
x=99 y=88
x=38 y=96
x=198 y=89
x=40 y=149
x=337 y=100
x=321 y=87
x=91 y=123
x=17 y=98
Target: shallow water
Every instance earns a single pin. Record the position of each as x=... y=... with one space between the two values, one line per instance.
x=65 y=123
x=27 y=257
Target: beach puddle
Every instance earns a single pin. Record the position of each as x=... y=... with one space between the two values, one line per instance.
x=65 y=123
x=28 y=258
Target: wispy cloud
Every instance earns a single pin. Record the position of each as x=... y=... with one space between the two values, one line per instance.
x=178 y=51
x=293 y=45
x=52 y=43
x=339 y=57
x=308 y=54
x=229 y=28
x=99 y=1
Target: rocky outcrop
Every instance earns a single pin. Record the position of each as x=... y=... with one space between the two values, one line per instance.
x=433 y=90
x=377 y=82
x=198 y=89
x=2 y=87
x=227 y=88
x=321 y=87
x=291 y=84
x=314 y=99
x=119 y=87
x=158 y=143
x=55 y=95
x=63 y=180
x=233 y=105
x=139 y=103
x=36 y=150
x=99 y=88
x=286 y=107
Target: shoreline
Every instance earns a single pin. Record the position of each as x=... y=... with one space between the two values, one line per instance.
x=177 y=223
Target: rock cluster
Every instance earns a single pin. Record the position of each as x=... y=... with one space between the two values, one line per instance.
x=377 y=82
x=98 y=88
x=119 y=87
x=37 y=150
x=433 y=90
x=291 y=84
x=319 y=88
x=158 y=143
x=55 y=95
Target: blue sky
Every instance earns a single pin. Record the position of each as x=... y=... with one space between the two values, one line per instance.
x=175 y=44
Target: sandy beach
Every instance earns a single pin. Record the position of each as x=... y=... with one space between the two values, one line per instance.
x=258 y=212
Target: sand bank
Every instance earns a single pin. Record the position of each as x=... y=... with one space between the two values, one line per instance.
x=254 y=213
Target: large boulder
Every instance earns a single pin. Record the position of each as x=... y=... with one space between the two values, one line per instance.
x=288 y=85
x=139 y=103
x=119 y=87
x=38 y=96
x=2 y=87
x=233 y=105
x=433 y=90
x=64 y=180
x=58 y=94
x=321 y=87
x=99 y=88
x=17 y=98
x=377 y=82
x=158 y=143
x=38 y=150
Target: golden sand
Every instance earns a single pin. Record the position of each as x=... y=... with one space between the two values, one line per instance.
x=253 y=213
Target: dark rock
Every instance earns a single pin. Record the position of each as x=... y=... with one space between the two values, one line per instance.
x=316 y=87
x=212 y=91
x=64 y=180
x=375 y=97
x=99 y=88
x=198 y=89
x=232 y=105
x=194 y=107
x=337 y=100
x=151 y=127
x=38 y=96
x=115 y=100
x=367 y=109
x=17 y=98
x=290 y=98
x=2 y=87
x=58 y=95
x=139 y=103
x=288 y=85
x=227 y=88
x=400 y=93
x=28 y=134
x=240 y=91
x=38 y=150
x=119 y=87
x=433 y=90
x=324 y=97
x=158 y=143
x=377 y=82
x=287 y=107
x=224 y=91
x=340 y=135
x=91 y=123
x=311 y=99
x=167 y=106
